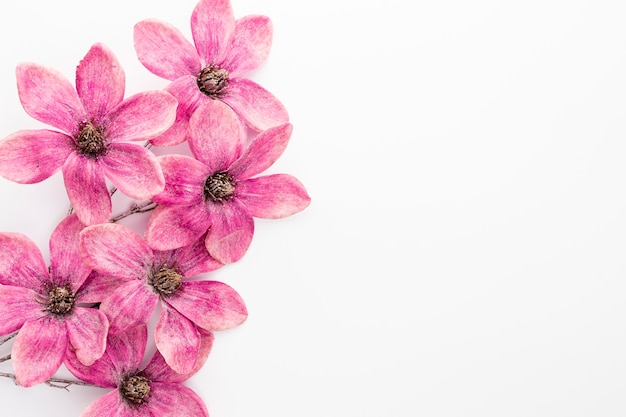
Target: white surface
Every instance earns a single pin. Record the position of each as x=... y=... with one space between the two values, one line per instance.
x=463 y=254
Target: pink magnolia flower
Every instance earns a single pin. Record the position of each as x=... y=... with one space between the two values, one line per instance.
x=218 y=191
x=150 y=277
x=96 y=130
x=45 y=305
x=225 y=49
x=155 y=390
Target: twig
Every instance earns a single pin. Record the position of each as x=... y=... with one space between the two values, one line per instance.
x=135 y=208
x=54 y=382
x=6 y=339
x=5 y=358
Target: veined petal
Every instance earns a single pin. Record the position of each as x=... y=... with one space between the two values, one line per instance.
x=21 y=262
x=31 y=156
x=211 y=305
x=49 y=97
x=255 y=105
x=97 y=287
x=177 y=339
x=109 y=405
x=164 y=50
x=273 y=196
x=184 y=180
x=17 y=306
x=142 y=116
x=101 y=373
x=66 y=264
x=134 y=170
x=39 y=350
x=87 y=329
x=231 y=231
x=176 y=226
x=250 y=46
x=217 y=137
x=126 y=349
x=264 y=150
x=175 y=400
x=194 y=259
x=87 y=189
x=100 y=81
x=130 y=305
x=212 y=27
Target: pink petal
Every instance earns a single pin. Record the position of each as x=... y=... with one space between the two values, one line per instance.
x=176 y=226
x=177 y=339
x=101 y=373
x=142 y=116
x=217 y=137
x=100 y=81
x=255 y=105
x=116 y=251
x=211 y=305
x=194 y=259
x=129 y=305
x=21 y=262
x=264 y=150
x=31 y=156
x=164 y=50
x=97 y=287
x=212 y=27
x=250 y=46
x=17 y=306
x=134 y=170
x=87 y=189
x=184 y=180
x=87 y=329
x=109 y=405
x=231 y=232
x=175 y=400
x=126 y=350
x=39 y=350
x=49 y=97
x=273 y=196
x=66 y=264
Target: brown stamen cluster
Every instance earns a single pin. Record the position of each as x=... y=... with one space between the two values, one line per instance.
x=212 y=81
x=219 y=187
x=166 y=281
x=90 y=140
x=60 y=300
x=135 y=389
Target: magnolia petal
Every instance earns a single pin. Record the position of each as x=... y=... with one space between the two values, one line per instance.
x=211 y=305
x=31 y=156
x=164 y=50
x=101 y=373
x=109 y=405
x=231 y=232
x=142 y=116
x=87 y=189
x=134 y=170
x=175 y=400
x=255 y=105
x=21 y=262
x=87 y=329
x=250 y=46
x=177 y=339
x=184 y=180
x=38 y=350
x=17 y=306
x=176 y=226
x=129 y=305
x=212 y=27
x=126 y=350
x=273 y=196
x=264 y=150
x=100 y=81
x=194 y=259
x=216 y=135
x=49 y=97
x=65 y=260
x=97 y=287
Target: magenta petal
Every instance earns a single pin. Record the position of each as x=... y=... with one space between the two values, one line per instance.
x=211 y=305
x=17 y=306
x=66 y=264
x=31 y=156
x=255 y=105
x=184 y=180
x=175 y=400
x=176 y=226
x=101 y=373
x=212 y=27
x=109 y=405
x=231 y=232
x=21 y=262
x=250 y=46
x=39 y=350
x=87 y=329
x=194 y=259
x=217 y=137
x=126 y=349
x=164 y=50
x=49 y=97
x=264 y=150
x=177 y=339
x=142 y=116
x=87 y=189
x=134 y=170
x=100 y=81
x=97 y=287
x=130 y=305
x=273 y=196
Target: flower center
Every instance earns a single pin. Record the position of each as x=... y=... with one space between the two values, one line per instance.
x=166 y=281
x=135 y=389
x=60 y=300
x=219 y=187
x=90 y=140
x=212 y=81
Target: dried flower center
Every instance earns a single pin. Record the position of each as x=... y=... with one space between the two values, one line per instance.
x=60 y=300
x=219 y=187
x=135 y=389
x=166 y=281
x=212 y=81
x=90 y=140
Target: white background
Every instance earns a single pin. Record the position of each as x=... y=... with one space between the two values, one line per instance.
x=463 y=254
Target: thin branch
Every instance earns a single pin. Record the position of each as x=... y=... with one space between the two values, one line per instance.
x=135 y=208
x=54 y=382
x=5 y=358
x=6 y=339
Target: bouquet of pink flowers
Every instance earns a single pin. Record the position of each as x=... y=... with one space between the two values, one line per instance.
x=90 y=308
